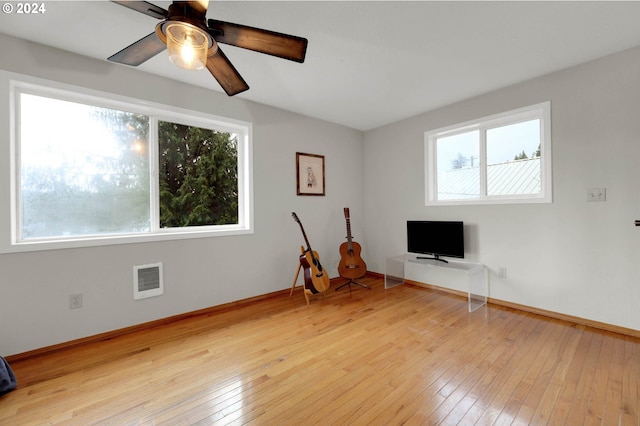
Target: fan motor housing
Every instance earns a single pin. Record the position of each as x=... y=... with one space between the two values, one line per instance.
x=184 y=13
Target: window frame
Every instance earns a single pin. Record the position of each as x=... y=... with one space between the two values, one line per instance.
x=23 y=84
x=541 y=111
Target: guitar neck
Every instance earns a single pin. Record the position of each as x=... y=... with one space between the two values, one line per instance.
x=306 y=240
x=304 y=234
x=314 y=260
x=349 y=238
x=348 y=220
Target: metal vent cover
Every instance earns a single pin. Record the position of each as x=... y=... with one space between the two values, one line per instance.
x=147 y=281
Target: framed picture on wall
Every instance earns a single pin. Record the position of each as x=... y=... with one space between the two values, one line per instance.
x=309 y=174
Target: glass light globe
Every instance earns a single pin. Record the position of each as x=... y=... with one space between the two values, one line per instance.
x=187 y=46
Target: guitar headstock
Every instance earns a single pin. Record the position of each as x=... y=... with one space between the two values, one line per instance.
x=346 y=212
x=295 y=217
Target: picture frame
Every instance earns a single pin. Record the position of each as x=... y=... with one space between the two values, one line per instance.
x=310 y=174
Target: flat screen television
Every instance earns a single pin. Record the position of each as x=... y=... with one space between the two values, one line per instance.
x=435 y=238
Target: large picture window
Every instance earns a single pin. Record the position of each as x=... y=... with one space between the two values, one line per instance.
x=90 y=171
x=505 y=158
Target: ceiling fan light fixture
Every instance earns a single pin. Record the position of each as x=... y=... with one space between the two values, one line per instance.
x=188 y=45
x=192 y=41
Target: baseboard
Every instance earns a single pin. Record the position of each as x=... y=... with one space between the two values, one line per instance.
x=569 y=318
x=233 y=305
x=139 y=327
x=543 y=312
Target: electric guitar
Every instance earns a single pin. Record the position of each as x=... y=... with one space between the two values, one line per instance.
x=315 y=277
x=351 y=265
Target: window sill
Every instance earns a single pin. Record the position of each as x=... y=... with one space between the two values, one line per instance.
x=97 y=241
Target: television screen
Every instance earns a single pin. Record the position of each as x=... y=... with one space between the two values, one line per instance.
x=436 y=238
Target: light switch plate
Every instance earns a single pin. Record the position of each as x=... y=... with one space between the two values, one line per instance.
x=597 y=194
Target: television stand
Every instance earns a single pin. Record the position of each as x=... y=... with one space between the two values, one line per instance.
x=477 y=273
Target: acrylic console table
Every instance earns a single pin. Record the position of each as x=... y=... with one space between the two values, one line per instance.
x=476 y=272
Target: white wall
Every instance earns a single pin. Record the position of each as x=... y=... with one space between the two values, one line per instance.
x=199 y=273
x=571 y=256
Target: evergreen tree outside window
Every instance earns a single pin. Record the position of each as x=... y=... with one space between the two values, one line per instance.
x=198 y=176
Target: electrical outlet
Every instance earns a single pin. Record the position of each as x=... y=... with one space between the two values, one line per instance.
x=75 y=301
x=597 y=194
x=502 y=272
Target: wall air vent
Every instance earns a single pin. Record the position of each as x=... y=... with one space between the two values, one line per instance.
x=147 y=281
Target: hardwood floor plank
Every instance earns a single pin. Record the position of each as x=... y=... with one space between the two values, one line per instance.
x=469 y=370
x=430 y=377
x=407 y=355
x=613 y=402
x=578 y=410
x=529 y=369
x=598 y=388
x=561 y=367
x=502 y=409
x=541 y=371
x=349 y=367
x=631 y=382
x=568 y=390
x=490 y=383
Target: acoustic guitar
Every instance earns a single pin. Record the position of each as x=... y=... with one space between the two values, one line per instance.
x=351 y=265
x=315 y=277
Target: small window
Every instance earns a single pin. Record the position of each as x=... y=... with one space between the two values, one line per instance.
x=504 y=158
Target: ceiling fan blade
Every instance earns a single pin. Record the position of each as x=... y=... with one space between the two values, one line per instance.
x=145 y=7
x=140 y=51
x=264 y=41
x=226 y=74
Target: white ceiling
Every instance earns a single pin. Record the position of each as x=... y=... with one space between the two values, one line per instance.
x=368 y=63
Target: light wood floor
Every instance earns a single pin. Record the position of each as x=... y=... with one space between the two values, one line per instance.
x=407 y=355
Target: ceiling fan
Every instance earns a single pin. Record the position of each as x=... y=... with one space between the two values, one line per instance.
x=192 y=41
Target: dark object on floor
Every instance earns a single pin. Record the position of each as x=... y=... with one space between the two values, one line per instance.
x=7 y=378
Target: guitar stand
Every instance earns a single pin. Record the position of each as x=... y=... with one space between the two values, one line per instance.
x=305 y=290
x=353 y=282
